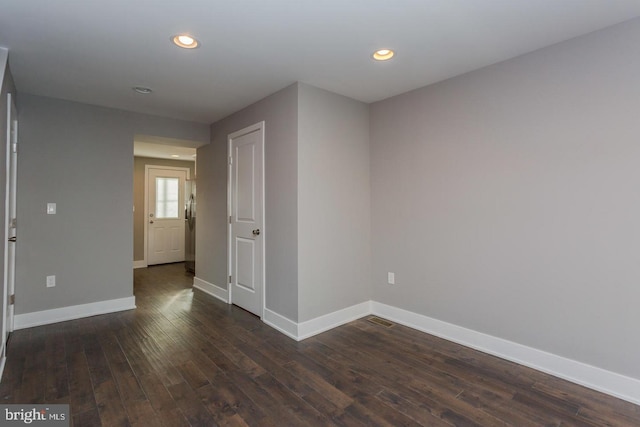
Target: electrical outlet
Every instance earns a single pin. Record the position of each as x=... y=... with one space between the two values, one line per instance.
x=391 y=278
x=51 y=281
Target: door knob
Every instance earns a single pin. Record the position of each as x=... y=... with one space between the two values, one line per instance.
x=256 y=232
x=151 y=222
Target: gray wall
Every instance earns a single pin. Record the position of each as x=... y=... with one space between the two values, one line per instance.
x=334 y=210
x=317 y=201
x=139 y=164
x=279 y=111
x=506 y=200
x=80 y=157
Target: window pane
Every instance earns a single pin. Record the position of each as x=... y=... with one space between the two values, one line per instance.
x=167 y=197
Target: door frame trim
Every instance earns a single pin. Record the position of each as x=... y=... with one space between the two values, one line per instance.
x=11 y=188
x=146 y=202
x=260 y=126
x=7 y=311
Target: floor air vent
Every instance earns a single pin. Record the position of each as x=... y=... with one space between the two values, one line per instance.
x=379 y=321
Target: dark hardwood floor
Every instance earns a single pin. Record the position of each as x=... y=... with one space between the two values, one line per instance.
x=184 y=358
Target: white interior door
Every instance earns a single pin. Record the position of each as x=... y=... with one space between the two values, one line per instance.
x=247 y=218
x=10 y=221
x=165 y=215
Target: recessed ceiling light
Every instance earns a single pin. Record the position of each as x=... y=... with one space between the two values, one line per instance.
x=185 y=41
x=143 y=90
x=175 y=155
x=383 y=54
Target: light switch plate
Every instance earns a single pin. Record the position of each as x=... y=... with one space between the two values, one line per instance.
x=51 y=208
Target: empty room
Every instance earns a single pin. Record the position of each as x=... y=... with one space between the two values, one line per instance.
x=295 y=213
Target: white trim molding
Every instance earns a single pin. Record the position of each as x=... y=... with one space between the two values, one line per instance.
x=281 y=323
x=45 y=317
x=309 y=328
x=211 y=289
x=140 y=264
x=332 y=320
x=608 y=382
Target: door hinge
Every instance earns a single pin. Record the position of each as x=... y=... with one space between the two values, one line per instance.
x=230 y=160
x=229 y=219
x=14 y=147
x=230 y=281
x=12 y=299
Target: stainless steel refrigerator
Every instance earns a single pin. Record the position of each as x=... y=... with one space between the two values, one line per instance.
x=190 y=226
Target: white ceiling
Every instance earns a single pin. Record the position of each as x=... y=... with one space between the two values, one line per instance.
x=94 y=51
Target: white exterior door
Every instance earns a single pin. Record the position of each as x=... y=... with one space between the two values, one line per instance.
x=246 y=233
x=10 y=222
x=165 y=215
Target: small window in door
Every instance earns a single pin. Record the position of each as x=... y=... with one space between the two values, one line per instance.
x=167 y=198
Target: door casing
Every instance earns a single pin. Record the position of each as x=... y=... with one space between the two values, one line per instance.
x=10 y=224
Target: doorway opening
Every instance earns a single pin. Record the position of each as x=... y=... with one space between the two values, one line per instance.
x=163 y=168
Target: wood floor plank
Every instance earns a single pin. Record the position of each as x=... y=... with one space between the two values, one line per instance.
x=192 y=375
x=306 y=385
x=307 y=414
x=369 y=408
x=506 y=409
x=191 y=406
x=227 y=407
x=97 y=362
x=87 y=418
x=589 y=400
x=440 y=404
x=81 y=395
x=184 y=358
x=162 y=402
x=263 y=399
x=141 y=413
x=124 y=376
x=420 y=415
x=110 y=407
x=57 y=383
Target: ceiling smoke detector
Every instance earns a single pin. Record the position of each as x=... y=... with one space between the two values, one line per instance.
x=143 y=90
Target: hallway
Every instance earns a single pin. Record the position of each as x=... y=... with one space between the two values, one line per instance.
x=184 y=358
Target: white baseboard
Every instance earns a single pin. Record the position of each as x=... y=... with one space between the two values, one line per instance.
x=281 y=323
x=211 y=289
x=608 y=382
x=139 y=264
x=38 y=318
x=329 y=321
x=309 y=328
